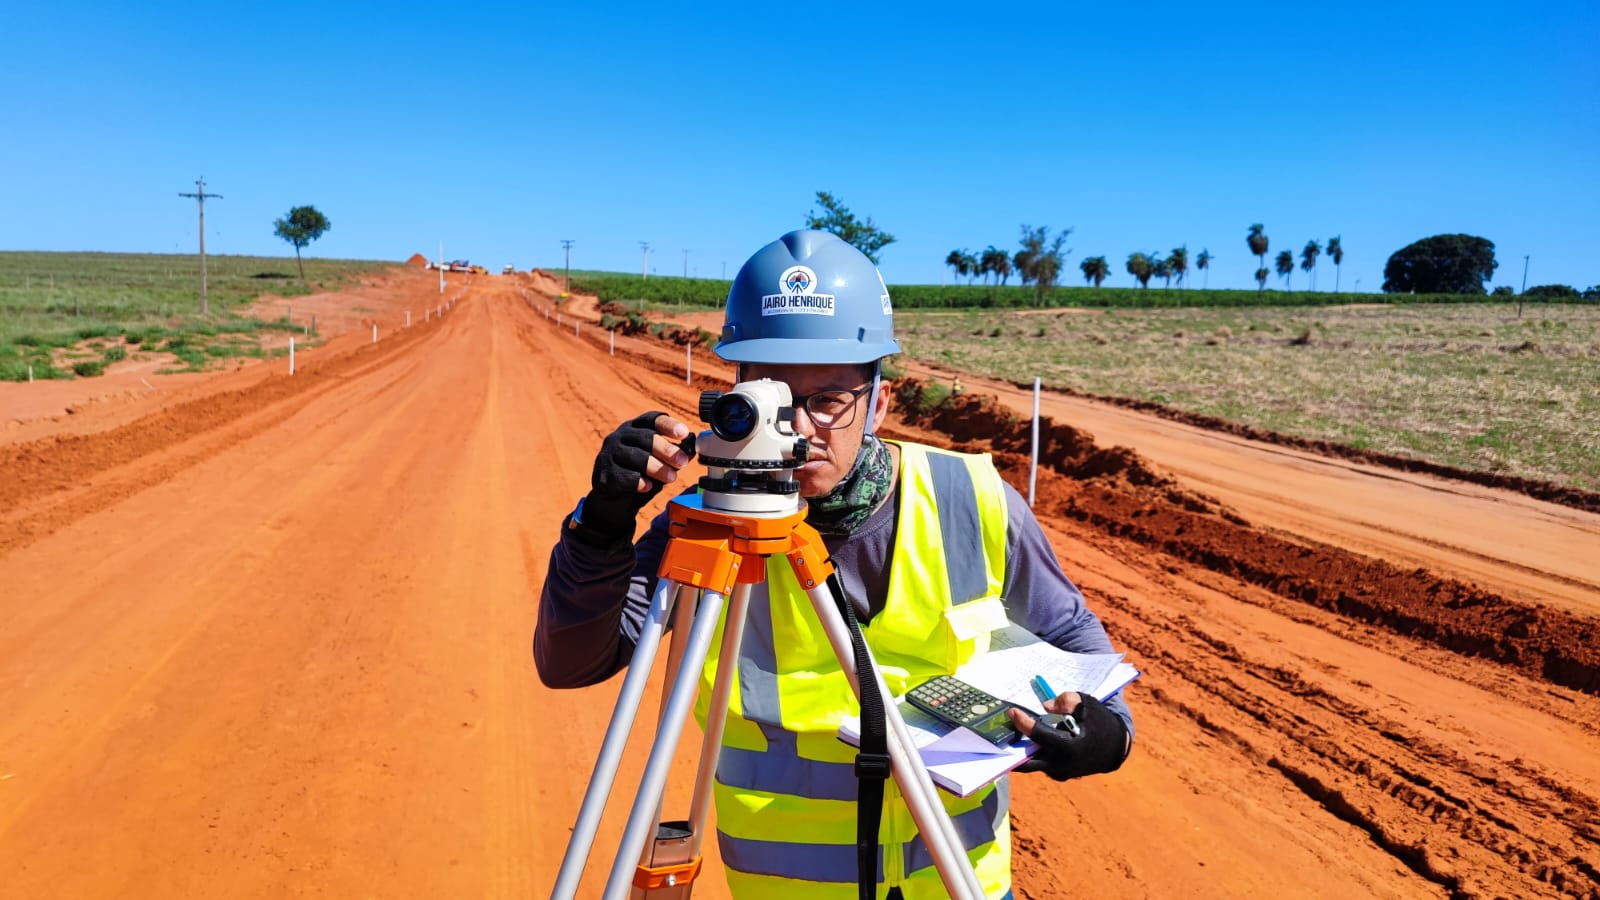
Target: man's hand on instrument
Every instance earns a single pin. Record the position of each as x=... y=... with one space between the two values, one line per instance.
x=634 y=462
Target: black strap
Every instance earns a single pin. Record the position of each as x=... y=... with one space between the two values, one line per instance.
x=872 y=763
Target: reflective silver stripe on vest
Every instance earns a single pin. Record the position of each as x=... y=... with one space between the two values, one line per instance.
x=758 y=662
x=976 y=826
x=804 y=862
x=781 y=768
x=957 y=501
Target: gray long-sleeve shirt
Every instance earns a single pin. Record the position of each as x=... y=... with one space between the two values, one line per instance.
x=594 y=601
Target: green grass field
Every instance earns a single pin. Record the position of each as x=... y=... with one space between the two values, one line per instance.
x=60 y=313
x=712 y=293
x=1469 y=385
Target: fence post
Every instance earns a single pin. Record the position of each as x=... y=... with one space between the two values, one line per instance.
x=1033 y=467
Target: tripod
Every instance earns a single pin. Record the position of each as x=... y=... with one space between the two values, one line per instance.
x=716 y=552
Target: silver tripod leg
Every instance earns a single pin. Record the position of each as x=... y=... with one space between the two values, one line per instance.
x=642 y=816
x=681 y=842
x=717 y=715
x=921 y=795
x=616 y=739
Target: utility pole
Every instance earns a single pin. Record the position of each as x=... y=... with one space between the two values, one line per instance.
x=205 y=308
x=644 y=266
x=567 y=246
x=686 y=264
x=724 y=270
x=1524 y=286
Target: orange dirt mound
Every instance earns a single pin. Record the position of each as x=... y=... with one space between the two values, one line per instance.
x=418 y=260
x=1117 y=492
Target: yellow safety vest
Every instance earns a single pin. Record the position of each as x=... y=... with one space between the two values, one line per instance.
x=786 y=789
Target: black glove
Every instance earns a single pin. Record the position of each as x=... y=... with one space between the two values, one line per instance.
x=609 y=513
x=1088 y=742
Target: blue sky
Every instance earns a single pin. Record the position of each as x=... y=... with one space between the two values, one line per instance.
x=710 y=127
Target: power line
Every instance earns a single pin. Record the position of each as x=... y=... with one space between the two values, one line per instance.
x=205 y=308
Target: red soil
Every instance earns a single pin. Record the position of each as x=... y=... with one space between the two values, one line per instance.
x=268 y=635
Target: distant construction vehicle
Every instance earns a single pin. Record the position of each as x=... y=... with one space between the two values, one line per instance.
x=459 y=265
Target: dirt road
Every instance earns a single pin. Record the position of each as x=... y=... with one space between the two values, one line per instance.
x=274 y=640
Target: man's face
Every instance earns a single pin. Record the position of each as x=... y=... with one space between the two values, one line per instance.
x=833 y=450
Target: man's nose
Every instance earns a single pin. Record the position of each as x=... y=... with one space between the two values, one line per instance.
x=803 y=424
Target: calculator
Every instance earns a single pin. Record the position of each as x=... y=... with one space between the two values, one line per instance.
x=951 y=700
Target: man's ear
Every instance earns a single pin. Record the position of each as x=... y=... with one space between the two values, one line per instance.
x=885 y=397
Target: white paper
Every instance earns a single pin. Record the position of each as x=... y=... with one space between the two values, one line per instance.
x=959 y=760
x=1016 y=655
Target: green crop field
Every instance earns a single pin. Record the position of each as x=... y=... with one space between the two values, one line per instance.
x=66 y=314
x=710 y=292
x=1468 y=385
x=650 y=293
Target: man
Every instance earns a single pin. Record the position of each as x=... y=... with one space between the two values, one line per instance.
x=932 y=548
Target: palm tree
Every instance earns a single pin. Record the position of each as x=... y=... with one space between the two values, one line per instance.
x=997 y=262
x=969 y=265
x=1286 y=268
x=1095 y=270
x=955 y=261
x=1161 y=269
x=1141 y=267
x=1257 y=239
x=1179 y=263
x=1261 y=278
x=1203 y=263
x=1308 y=260
x=1335 y=253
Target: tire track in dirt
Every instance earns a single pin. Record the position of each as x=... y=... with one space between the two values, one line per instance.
x=1421 y=801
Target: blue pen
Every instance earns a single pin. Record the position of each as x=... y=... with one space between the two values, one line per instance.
x=1041 y=689
x=1045 y=693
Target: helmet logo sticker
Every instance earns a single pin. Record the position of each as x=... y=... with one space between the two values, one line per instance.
x=797 y=295
x=884 y=297
x=798 y=280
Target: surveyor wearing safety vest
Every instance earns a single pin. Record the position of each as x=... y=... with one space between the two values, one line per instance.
x=933 y=549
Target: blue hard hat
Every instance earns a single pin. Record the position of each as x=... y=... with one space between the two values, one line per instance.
x=808 y=297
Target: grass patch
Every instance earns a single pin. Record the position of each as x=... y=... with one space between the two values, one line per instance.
x=1467 y=385
x=922 y=398
x=54 y=301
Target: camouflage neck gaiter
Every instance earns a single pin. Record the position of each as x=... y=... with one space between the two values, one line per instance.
x=843 y=509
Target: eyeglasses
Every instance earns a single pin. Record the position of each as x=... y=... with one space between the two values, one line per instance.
x=832 y=409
